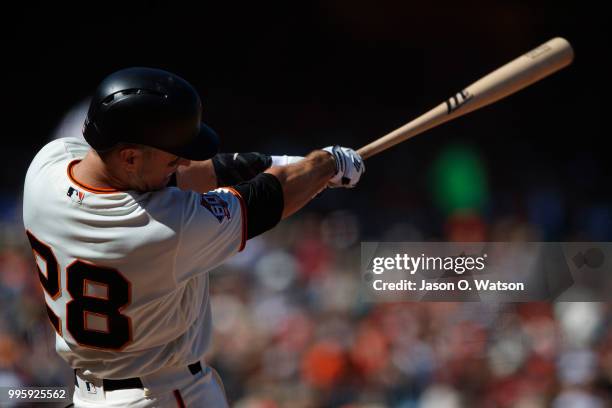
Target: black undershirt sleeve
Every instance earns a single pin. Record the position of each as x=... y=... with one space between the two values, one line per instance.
x=233 y=168
x=263 y=198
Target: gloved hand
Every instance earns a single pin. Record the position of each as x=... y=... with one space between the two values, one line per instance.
x=349 y=167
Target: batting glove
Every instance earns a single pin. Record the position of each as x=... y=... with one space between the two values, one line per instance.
x=349 y=167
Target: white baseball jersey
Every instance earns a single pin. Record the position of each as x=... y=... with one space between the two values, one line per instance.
x=125 y=273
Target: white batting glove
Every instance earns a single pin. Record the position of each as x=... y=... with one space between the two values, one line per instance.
x=349 y=167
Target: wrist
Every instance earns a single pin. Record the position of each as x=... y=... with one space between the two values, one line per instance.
x=326 y=160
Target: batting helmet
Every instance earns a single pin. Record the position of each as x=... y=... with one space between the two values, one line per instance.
x=149 y=107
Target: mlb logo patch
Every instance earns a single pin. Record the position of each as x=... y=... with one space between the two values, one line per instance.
x=216 y=205
x=76 y=195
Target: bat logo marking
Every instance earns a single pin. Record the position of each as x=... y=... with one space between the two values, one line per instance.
x=458 y=100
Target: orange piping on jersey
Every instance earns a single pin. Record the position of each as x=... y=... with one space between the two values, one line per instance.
x=59 y=277
x=244 y=217
x=55 y=320
x=179 y=399
x=131 y=339
x=87 y=187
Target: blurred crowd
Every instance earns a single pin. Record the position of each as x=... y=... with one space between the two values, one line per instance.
x=292 y=329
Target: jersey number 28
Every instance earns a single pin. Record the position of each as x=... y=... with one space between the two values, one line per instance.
x=79 y=275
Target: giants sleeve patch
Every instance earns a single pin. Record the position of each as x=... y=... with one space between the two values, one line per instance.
x=216 y=205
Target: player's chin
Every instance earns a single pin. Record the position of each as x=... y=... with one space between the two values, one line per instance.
x=163 y=184
x=156 y=186
x=160 y=186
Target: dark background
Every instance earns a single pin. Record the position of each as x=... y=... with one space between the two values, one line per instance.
x=290 y=77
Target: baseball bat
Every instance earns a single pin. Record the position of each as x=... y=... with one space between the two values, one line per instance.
x=506 y=80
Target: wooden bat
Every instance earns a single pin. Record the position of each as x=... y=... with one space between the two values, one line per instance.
x=510 y=78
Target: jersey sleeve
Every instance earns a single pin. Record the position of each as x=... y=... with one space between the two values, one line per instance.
x=77 y=148
x=54 y=152
x=213 y=228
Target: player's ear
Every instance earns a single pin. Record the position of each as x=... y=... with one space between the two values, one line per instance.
x=130 y=157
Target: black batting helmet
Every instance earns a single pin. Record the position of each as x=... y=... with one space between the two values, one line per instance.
x=150 y=107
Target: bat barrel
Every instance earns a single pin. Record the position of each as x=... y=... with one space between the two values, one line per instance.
x=525 y=70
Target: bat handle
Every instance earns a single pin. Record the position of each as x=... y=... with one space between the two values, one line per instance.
x=364 y=152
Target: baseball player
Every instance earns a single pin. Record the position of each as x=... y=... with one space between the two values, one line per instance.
x=124 y=229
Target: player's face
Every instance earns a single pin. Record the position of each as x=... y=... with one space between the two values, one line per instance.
x=156 y=169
